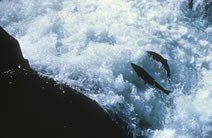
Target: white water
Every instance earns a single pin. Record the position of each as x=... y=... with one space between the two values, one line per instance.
x=89 y=45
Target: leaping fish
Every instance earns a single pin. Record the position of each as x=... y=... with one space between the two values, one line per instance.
x=147 y=78
x=162 y=60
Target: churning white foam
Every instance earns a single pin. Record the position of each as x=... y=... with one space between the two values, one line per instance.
x=90 y=44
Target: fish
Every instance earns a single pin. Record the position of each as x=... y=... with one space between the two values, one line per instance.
x=148 y=79
x=162 y=60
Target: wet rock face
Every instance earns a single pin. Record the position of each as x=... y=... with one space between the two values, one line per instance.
x=201 y=9
x=10 y=52
x=36 y=106
x=208 y=10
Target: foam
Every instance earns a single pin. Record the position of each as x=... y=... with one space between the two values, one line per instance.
x=89 y=45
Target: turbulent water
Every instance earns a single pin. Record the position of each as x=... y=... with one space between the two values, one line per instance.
x=90 y=45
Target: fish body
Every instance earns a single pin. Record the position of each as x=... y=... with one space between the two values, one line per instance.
x=162 y=60
x=147 y=78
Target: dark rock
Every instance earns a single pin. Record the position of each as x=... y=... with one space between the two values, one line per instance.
x=208 y=11
x=34 y=106
x=190 y=4
x=201 y=9
x=11 y=55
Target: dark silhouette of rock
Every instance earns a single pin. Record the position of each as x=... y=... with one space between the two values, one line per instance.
x=208 y=10
x=34 y=106
x=201 y=9
x=11 y=55
x=190 y=4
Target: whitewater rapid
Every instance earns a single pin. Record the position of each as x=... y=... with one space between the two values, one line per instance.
x=90 y=44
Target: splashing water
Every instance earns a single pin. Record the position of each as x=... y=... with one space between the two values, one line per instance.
x=90 y=44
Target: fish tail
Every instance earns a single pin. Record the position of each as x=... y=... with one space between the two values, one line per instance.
x=167 y=92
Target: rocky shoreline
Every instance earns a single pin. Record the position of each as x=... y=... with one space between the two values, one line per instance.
x=37 y=106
